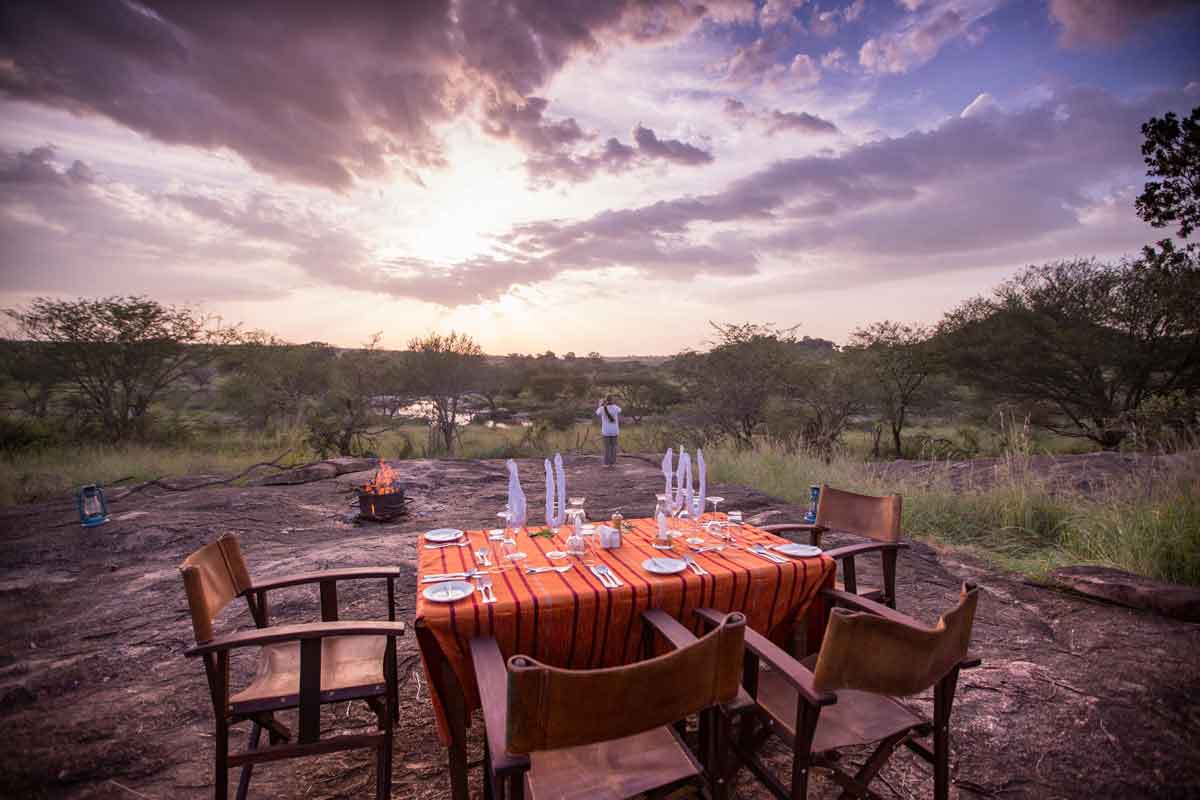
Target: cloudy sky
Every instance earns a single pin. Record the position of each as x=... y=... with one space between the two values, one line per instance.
x=573 y=174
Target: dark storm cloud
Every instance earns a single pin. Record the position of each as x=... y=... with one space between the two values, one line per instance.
x=1108 y=21
x=316 y=92
x=776 y=121
x=669 y=149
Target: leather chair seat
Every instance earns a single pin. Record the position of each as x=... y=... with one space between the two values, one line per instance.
x=856 y=718
x=618 y=768
x=347 y=662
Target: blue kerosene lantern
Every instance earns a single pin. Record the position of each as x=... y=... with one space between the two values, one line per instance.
x=814 y=494
x=93 y=508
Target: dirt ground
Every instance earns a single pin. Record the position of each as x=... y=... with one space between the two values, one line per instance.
x=1074 y=698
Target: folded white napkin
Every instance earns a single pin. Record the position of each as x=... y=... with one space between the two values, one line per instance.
x=666 y=469
x=516 y=497
x=556 y=511
x=698 y=508
x=684 y=494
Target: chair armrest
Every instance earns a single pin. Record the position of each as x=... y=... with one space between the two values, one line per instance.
x=669 y=628
x=294 y=633
x=788 y=667
x=784 y=527
x=851 y=550
x=347 y=574
x=491 y=675
x=860 y=603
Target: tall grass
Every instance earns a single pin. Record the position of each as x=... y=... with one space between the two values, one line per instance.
x=1148 y=525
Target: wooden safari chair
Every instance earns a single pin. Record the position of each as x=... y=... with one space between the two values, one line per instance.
x=874 y=518
x=845 y=695
x=300 y=667
x=608 y=733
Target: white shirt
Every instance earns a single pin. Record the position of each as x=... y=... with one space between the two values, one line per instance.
x=609 y=427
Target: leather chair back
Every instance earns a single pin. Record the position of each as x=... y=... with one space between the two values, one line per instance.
x=212 y=576
x=550 y=708
x=876 y=518
x=876 y=654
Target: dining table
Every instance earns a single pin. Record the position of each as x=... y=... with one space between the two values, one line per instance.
x=579 y=619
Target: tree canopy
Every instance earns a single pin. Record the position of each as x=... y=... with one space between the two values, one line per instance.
x=1172 y=153
x=1085 y=344
x=121 y=354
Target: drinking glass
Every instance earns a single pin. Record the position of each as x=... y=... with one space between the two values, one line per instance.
x=577 y=504
x=716 y=501
x=509 y=547
x=506 y=522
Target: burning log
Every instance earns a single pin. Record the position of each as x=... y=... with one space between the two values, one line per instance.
x=382 y=498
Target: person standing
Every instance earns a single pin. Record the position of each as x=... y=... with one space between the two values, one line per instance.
x=610 y=427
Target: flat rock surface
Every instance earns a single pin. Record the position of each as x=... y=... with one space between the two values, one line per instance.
x=1074 y=699
x=1119 y=586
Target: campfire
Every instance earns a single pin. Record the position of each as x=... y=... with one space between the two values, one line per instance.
x=382 y=498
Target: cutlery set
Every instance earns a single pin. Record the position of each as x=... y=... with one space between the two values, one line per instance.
x=606 y=576
x=484 y=582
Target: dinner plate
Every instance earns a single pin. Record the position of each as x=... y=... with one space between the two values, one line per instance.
x=664 y=566
x=695 y=540
x=448 y=591
x=798 y=550
x=443 y=535
x=556 y=554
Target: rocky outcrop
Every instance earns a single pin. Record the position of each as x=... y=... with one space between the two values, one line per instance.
x=320 y=471
x=1127 y=589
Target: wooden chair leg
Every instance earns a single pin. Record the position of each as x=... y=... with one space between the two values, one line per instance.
x=806 y=727
x=889 y=578
x=221 y=771
x=248 y=770
x=943 y=701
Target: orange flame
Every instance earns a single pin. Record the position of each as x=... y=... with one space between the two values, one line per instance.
x=383 y=481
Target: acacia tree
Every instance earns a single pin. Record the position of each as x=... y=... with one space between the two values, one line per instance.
x=273 y=381
x=122 y=354
x=1172 y=153
x=640 y=395
x=732 y=383
x=344 y=421
x=899 y=359
x=442 y=370
x=1085 y=343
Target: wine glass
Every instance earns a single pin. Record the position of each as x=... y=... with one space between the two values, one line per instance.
x=509 y=548
x=716 y=501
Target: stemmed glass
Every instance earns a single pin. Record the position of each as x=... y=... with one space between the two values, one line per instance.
x=509 y=547
x=716 y=501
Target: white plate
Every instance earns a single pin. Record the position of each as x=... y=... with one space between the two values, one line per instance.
x=443 y=535
x=798 y=550
x=448 y=591
x=695 y=540
x=664 y=566
x=556 y=554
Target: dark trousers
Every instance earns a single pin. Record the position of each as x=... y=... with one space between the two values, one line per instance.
x=610 y=450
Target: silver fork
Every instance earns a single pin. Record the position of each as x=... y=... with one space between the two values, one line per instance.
x=483 y=557
x=484 y=582
x=696 y=568
x=448 y=544
x=617 y=582
x=758 y=550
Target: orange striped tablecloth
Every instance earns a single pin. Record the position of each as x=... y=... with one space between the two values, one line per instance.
x=571 y=620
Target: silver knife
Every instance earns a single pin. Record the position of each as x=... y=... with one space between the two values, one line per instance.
x=600 y=577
